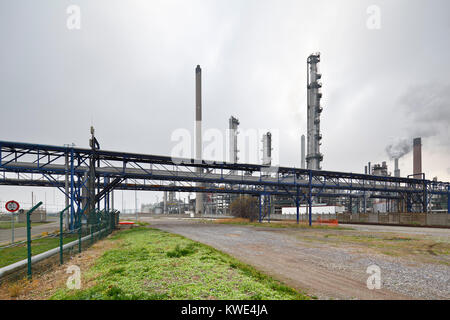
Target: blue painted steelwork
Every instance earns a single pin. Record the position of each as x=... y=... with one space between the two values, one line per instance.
x=448 y=199
x=115 y=170
x=310 y=199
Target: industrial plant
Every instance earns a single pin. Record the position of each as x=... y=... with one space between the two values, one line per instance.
x=377 y=193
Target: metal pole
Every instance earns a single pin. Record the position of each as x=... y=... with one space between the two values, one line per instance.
x=260 y=209
x=448 y=199
x=112 y=199
x=310 y=198
x=297 y=203
x=79 y=231
x=351 y=204
x=72 y=191
x=66 y=188
x=61 y=233
x=12 y=227
x=29 y=238
x=135 y=204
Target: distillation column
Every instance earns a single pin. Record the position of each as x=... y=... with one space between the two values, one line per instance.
x=314 y=157
x=267 y=149
x=233 y=124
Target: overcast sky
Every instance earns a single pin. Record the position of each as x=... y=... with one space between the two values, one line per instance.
x=129 y=71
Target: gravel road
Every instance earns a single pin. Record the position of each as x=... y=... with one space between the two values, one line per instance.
x=319 y=269
x=21 y=233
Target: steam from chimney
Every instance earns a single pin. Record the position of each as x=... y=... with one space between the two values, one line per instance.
x=398 y=148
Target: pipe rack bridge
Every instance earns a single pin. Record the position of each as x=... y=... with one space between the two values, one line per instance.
x=71 y=169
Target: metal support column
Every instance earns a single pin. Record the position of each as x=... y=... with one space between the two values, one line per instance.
x=297 y=203
x=310 y=198
x=448 y=199
x=425 y=197
x=260 y=216
x=72 y=191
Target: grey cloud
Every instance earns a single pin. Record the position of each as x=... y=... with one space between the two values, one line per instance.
x=130 y=70
x=427 y=110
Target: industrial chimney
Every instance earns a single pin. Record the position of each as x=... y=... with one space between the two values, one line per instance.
x=233 y=124
x=303 y=164
x=396 y=170
x=198 y=133
x=267 y=149
x=417 y=157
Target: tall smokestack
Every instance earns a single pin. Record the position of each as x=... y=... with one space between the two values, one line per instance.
x=396 y=170
x=303 y=163
x=267 y=149
x=417 y=157
x=198 y=133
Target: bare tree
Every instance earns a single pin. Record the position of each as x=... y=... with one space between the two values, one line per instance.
x=245 y=207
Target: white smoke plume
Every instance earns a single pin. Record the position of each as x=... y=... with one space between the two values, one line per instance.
x=399 y=147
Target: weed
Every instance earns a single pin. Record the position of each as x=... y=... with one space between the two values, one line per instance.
x=181 y=252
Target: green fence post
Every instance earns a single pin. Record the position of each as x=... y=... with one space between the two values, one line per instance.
x=97 y=221
x=79 y=232
x=61 y=233
x=29 y=238
x=108 y=221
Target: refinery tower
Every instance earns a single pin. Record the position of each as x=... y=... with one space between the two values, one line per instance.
x=314 y=157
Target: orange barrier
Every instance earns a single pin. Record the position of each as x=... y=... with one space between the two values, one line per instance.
x=126 y=222
x=333 y=222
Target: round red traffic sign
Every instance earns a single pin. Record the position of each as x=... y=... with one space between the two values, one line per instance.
x=12 y=206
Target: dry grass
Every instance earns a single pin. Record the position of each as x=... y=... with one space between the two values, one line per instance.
x=46 y=283
x=278 y=224
x=233 y=220
x=424 y=249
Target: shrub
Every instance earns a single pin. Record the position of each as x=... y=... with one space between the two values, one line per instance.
x=245 y=207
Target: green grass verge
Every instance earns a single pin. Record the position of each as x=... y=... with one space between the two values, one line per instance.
x=7 y=225
x=153 y=264
x=19 y=252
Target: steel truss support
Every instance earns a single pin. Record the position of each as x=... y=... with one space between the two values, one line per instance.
x=48 y=167
x=448 y=199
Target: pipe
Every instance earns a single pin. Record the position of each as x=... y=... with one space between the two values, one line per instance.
x=39 y=257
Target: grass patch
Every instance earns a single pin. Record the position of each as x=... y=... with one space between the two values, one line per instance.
x=7 y=225
x=19 y=252
x=182 y=252
x=391 y=245
x=154 y=264
x=142 y=224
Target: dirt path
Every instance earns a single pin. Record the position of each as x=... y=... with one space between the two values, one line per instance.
x=321 y=270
